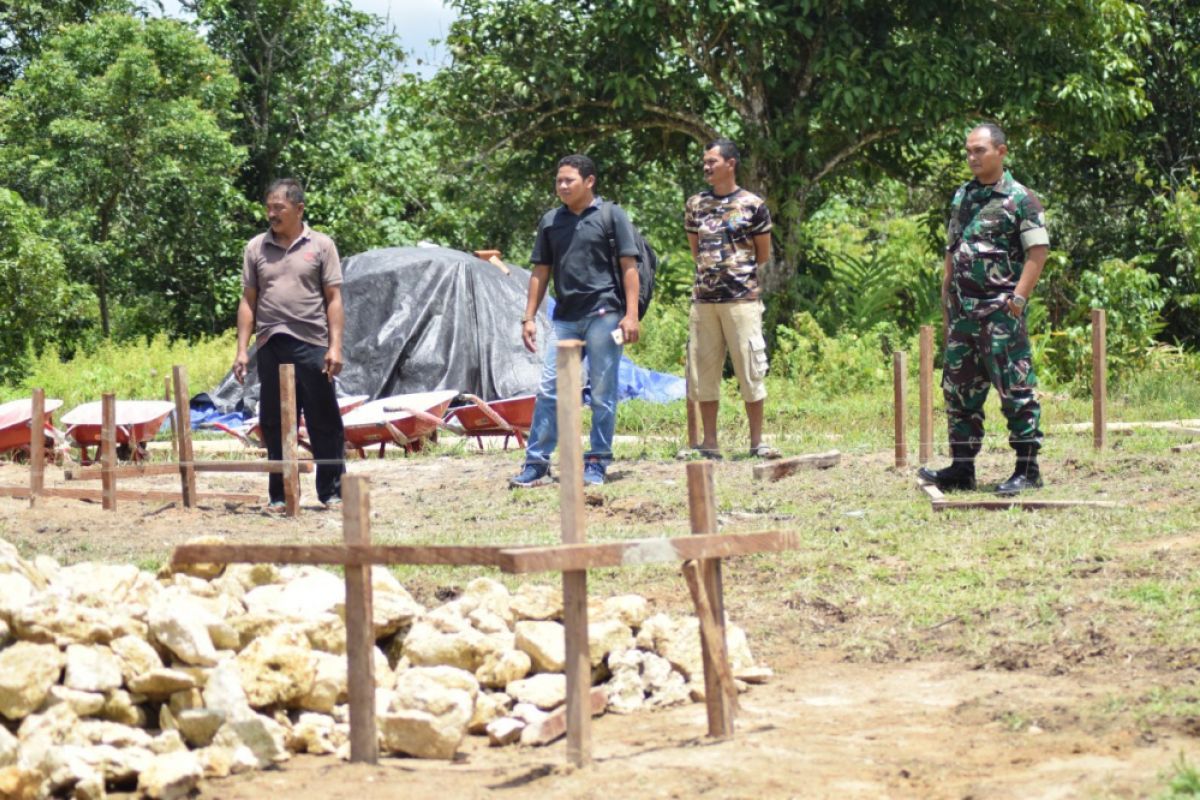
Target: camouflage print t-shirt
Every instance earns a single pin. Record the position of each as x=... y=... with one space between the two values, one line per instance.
x=727 y=266
x=991 y=228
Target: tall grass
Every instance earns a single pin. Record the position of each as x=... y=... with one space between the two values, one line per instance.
x=132 y=370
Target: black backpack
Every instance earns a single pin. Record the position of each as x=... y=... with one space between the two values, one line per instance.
x=647 y=260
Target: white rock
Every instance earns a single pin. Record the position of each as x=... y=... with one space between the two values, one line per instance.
x=277 y=669
x=500 y=669
x=84 y=704
x=50 y=619
x=629 y=609
x=546 y=691
x=170 y=776
x=223 y=692
x=12 y=563
x=504 y=731
x=488 y=598
x=427 y=646
x=21 y=783
x=392 y=611
x=325 y=632
x=97 y=585
x=92 y=669
x=536 y=602
x=265 y=738
x=180 y=623
x=198 y=726
x=606 y=636
x=27 y=671
x=430 y=712
x=528 y=713
x=680 y=644
x=329 y=685
x=488 y=706
x=67 y=766
x=625 y=692
x=544 y=642
x=137 y=656
x=113 y=734
x=121 y=707
x=221 y=762
x=316 y=734
x=160 y=683
x=15 y=591
x=312 y=592
x=168 y=742
x=5 y=633
x=8 y=747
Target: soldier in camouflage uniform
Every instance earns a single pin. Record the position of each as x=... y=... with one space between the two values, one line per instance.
x=996 y=248
x=729 y=230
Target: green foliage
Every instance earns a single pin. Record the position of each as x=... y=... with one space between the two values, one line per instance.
x=134 y=370
x=115 y=131
x=25 y=25
x=1133 y=301
x=662 y=341
x=829 y=366
x=37 y=302
x=1184 y=782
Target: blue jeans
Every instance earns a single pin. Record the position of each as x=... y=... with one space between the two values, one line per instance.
x=603 y=362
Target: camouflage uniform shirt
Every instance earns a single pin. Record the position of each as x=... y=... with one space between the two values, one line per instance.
x=991 y=228
x=727 y=265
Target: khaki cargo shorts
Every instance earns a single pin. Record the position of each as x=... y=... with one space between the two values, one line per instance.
x=714 y=328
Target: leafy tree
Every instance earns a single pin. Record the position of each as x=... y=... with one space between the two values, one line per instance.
x=810 y=88
x=304 y=69
x=26 y=24
x=115 y=131
x=37 y=302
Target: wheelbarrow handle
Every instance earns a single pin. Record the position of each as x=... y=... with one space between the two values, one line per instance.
x=424 y=416
x=490 y=413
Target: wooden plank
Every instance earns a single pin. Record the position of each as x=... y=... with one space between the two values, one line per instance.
x=634 y=552
x=775 y=470
x=360 y=630
x=925 y=445
x=720 y=693
x=900 y=406
x=578 y=664
x=1183 y=448
x=702 y=518
x=418 y=555
x=183 y=436
x=37 y=445
x=108 y=450
x=1099 y=379
x=1026 y=505
x=935 y=494
x=150 y=470
x=136 y=495
x=1177 y=425
x=174 y=419
x=287 y=416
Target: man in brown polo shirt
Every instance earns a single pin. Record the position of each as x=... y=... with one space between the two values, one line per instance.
x=292 y=300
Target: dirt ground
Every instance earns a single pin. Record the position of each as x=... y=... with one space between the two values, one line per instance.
x=830 y=725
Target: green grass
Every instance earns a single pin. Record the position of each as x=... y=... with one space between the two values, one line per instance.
x=133 y=370
x=1183 y=783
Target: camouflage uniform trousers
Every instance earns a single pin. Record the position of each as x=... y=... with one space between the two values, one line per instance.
x=992 y=351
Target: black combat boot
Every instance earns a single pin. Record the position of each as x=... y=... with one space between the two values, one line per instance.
x=1026 y=475
x=959 y=475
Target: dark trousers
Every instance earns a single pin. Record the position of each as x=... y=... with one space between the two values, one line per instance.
x=316 y=398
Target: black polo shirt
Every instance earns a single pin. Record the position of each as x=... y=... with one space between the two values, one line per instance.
x=576 y=248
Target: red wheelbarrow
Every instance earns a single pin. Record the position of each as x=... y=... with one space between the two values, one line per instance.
x=250 y=434
x=16 y=418
x=137 y=423
x=512 y=416
x=404 y=420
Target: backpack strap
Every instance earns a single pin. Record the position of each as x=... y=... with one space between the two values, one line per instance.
x=610 y=232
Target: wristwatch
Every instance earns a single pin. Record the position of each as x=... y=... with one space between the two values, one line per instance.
x=1019 y=302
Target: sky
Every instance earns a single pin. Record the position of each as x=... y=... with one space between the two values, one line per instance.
x=416 y=22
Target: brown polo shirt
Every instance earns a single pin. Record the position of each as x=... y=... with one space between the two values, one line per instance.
x=290 y=284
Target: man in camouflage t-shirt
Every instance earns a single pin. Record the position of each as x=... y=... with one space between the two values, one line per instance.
x=996 y=248
x=729 y=230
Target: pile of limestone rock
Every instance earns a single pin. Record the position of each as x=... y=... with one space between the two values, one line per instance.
x=112 y=677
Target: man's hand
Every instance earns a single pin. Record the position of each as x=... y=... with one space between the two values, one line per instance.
x=529 y=335
x=240 y=364
x=629 y=328
x=333 y=362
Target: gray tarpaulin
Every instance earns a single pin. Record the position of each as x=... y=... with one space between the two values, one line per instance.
x=420 y=319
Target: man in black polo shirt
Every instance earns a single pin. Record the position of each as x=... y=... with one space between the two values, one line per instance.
x=592 y=305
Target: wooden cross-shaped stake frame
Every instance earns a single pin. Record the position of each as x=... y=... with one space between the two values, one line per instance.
x=700 y=553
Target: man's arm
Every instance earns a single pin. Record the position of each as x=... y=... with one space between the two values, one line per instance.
x=694 y=243
x=631 y=281
x=762 y=248
x=336 y=313
x=1035 y=261
x=245 y=326
x=539 y=279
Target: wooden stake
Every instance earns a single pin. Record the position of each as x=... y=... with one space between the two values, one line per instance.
x=575 y=617
x=37 y=445
x=925 y=445
x=287 y=417
x=183 y=437
x=1099 y=379
x=174 y=420
x=702 y=510
x=360 y=630
x=900 y=399
x=108 y=450
x=137 y=495
x=711 y=639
